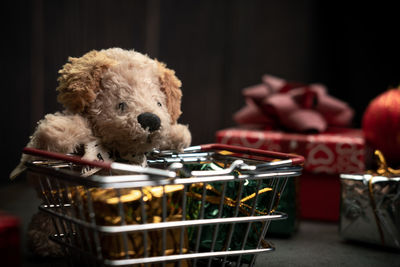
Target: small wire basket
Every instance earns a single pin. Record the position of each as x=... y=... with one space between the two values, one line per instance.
x=210 y=205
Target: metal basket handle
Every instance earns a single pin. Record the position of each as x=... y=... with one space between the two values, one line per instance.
x=292 y=159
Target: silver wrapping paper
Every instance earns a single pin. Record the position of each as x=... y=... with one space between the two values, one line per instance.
x=359 y=220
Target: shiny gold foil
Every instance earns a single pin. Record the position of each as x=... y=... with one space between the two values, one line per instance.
x=106 y=205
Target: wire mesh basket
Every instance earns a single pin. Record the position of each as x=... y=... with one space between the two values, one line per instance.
x=210 y=205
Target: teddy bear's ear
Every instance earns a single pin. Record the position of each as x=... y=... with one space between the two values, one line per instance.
x=80 y=80
x=171 y=87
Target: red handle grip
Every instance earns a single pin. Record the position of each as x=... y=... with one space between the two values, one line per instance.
x=60 y=156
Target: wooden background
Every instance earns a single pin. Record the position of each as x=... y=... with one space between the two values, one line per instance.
x=216 y=48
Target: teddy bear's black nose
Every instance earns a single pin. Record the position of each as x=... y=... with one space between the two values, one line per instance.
x=150 y=121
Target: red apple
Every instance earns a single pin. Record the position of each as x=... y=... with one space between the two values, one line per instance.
x=381 y=125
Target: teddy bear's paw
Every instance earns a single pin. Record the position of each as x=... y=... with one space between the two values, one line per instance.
x=61 y=133
x=40 y=245
x=39 y=229
x=179 y=138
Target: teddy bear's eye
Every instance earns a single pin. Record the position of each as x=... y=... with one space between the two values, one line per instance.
x=159 y=104
x=122 y=106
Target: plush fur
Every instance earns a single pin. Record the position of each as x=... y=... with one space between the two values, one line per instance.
x=104 y=94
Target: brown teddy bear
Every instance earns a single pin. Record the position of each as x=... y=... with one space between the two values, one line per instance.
x=117 y=101
x=119 y=105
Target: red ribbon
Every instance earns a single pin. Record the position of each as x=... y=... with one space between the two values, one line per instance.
x=276 y=103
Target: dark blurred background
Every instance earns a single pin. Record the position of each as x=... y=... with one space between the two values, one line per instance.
x=216 y=48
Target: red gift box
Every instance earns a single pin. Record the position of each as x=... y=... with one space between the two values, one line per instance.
x=327 y=154
x=9 y=240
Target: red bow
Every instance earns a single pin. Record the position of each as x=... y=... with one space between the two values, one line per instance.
x=302 y=108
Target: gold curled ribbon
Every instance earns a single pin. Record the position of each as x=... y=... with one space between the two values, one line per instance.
x=229 y=201
x=373 y=204
x=384 y=170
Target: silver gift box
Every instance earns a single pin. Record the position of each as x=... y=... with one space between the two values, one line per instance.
x=370 y=209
